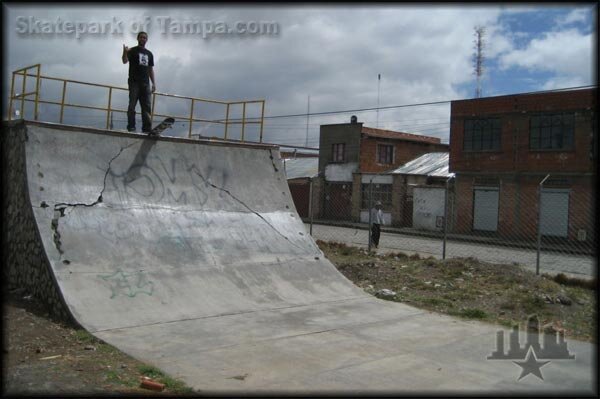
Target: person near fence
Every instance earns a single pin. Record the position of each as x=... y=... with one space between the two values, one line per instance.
x=141 y=72
x=377 y=222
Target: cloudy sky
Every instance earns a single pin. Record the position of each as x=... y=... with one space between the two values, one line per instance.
x=334 y=54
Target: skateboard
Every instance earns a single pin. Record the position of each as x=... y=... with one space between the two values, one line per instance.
x=161 y=127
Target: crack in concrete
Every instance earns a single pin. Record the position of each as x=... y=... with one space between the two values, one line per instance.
x=60 y=208
x=245 y=206
x=273 y=160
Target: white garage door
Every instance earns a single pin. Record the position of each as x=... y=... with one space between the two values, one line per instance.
x=555 y=212
x=485 y=209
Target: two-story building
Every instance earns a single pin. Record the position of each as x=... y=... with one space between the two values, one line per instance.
x=521 y=157
x=352 y=155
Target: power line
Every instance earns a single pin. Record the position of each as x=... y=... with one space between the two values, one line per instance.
x=422 y=104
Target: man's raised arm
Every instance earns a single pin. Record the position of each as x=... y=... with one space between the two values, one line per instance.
x=124 y=56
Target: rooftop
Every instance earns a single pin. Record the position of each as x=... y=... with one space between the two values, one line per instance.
x=301 y=167
x=430 y=164
x=390 y=134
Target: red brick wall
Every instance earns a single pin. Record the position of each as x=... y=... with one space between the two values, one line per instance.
x=518 y=206
x=404 y=151
x=515 y=154
x=520 y=170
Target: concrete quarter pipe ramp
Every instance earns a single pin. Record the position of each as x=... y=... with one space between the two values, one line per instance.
x=189 y=255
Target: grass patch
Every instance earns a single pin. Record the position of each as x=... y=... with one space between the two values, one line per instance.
x=504 y=294
x=469 y=313
x=436 y=302
x=85 y=337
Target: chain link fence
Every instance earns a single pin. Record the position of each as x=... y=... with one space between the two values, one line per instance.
x=544 y=223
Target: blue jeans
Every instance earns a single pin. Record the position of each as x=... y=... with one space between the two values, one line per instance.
x=139 y=91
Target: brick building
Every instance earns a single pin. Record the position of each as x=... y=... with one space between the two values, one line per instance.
x=348 y=151
x=502 y=148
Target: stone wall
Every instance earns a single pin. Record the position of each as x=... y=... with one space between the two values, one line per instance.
x=24 y=262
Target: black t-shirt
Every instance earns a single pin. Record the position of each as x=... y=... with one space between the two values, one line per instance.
x=140 y=60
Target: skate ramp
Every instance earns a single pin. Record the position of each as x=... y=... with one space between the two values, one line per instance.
x=189 y=255
x=142 y=231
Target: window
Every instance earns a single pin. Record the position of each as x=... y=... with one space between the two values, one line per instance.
x=385 y=154
x=338 y=152
x=482 y=134
x=381 y=192
x=551 y=131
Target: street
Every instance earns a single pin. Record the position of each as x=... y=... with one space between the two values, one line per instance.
x=576 y=265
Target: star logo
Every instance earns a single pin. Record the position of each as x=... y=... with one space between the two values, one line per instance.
x=531 y=365
x=128 y=284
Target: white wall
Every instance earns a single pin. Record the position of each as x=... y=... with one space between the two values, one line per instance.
x=340 y=172
x=428 y=206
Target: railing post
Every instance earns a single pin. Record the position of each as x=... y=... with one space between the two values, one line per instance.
x=12 y=95
x=62 y=101
x=539 y=225
x=109 y=107
x=226 y=120
x=243 y=118
x=191 y=119
x=262 y=121
x=24 y=87
x=37 y=93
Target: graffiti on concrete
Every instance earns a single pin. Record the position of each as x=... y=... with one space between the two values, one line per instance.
x=151 y=176
x=128 y=284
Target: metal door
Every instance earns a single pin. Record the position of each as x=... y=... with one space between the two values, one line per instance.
x=301 y=196
x=338 y=201
x=485 y=209
x=554 y=215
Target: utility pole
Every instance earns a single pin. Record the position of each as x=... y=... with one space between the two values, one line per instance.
x=478 y=57
x=307 y=120
x=378 y=86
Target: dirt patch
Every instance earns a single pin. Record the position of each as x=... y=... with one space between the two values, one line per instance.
x=42 y=356
x=505 y=294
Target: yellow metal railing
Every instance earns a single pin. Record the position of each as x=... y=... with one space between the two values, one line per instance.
x=34 y=71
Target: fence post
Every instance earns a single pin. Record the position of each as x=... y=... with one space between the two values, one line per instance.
x=539 y=226
x=370 y=212
x=310 y=205
x=446 y=217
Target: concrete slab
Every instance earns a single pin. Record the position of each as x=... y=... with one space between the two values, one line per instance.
x=189 y=255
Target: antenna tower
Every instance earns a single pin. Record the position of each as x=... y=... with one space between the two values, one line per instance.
x=478 y=57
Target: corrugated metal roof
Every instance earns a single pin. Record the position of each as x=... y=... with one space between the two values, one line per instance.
x=431 y=164
x=301 y=167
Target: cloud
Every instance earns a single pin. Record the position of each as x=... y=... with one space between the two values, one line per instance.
x=567 y=52
x=560 y=82
x=574 y=16
x=333 y=54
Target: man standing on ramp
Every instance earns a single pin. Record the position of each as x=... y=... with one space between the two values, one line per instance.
x=141 y=70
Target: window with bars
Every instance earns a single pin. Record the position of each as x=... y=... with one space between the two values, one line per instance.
x=482 y=134
x=551 y=131
x=338 y=152
x=381 y=192
x=385 y=154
